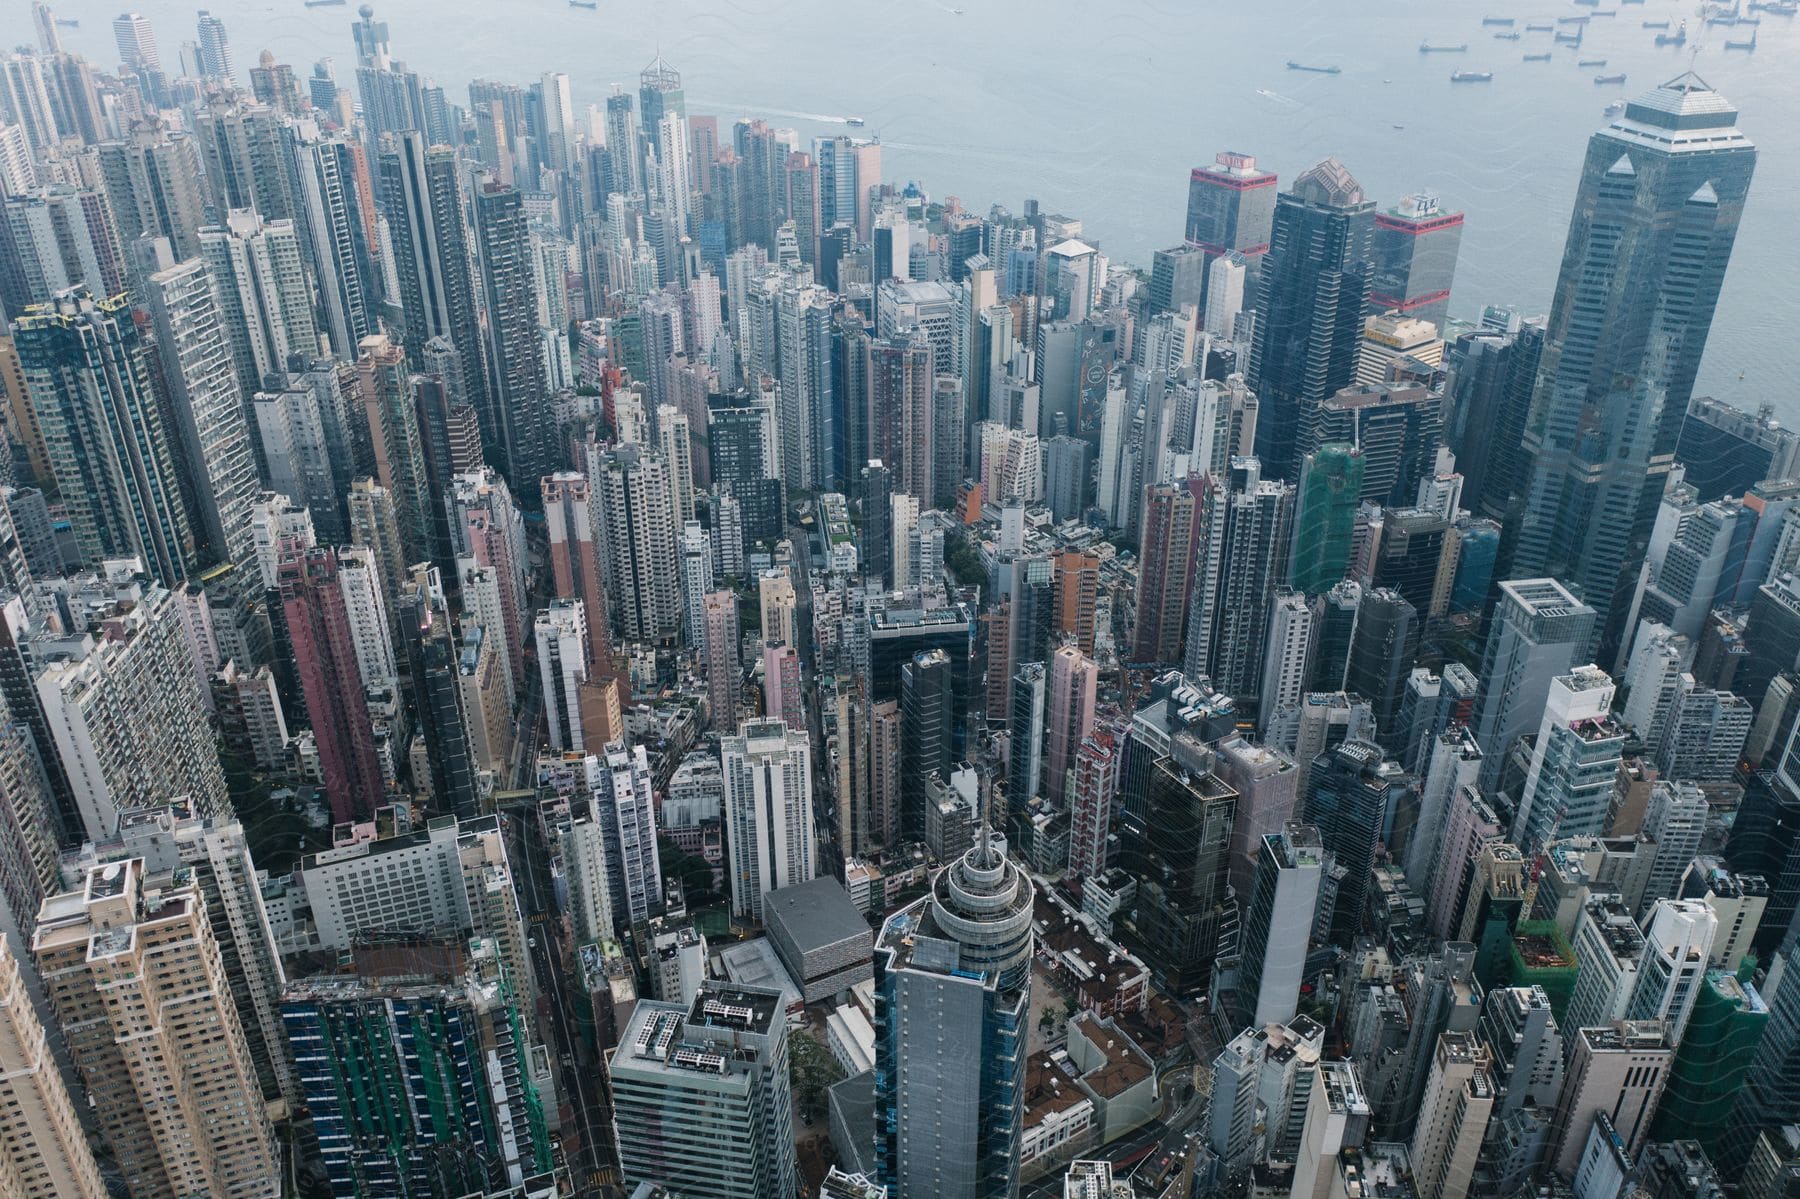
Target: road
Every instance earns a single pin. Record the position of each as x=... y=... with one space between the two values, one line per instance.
x=586 y=1133
x=824 y=783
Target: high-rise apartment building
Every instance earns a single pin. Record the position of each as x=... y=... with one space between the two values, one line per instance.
x=768 y=812
x=318 y=627
x=137 y=984
x=44 y=1149
x=520 y=433
x=1073 y=683
x=637 y=541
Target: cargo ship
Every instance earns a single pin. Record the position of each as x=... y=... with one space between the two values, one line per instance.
x=1606 y=79
x=1471 y=76
x=1448 y=48
x=1300 y=66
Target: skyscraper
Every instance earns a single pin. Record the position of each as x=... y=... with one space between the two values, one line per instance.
x=1656 y=213
x=768 y=812
x=208 y=407
x=1176 y=842
x=928 y=720
x=424 y=208
x=1278 y=924
x=637 y=538
x=45 y=1152
x=1329 y=493
x=950 y=1085
x=1074 y=678
x=1415 y=259
x=324 y=657
x=1230 y=210
x=1166 y=569
x=1569 y=785
x=520 y=434
x=1309 y=305
x=1348 y=791
x=702 y=1095
x=575 y=559
x=83 y=362
x=136 y=41
x=1536 y=633
x=137 y=984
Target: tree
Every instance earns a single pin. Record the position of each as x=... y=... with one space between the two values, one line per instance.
x=964 y=561
x=811 y=1069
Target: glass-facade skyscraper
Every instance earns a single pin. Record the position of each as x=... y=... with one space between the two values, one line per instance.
x=1661 y=192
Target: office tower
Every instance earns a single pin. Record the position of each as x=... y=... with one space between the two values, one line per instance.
x=54 y=239
x=330 y=171
x=1538 y=631
x=1618 y=1070
x=207 y=406
x=1727 y=451
x=84 y=365
x=424 y=210
x=420 y=1080
x=1393 y=342
x=1278 y=923
x=520 y=433
x=1025 y=725
x=575 y=560
x=1524 y=1047
x=560 y=632
x=1678 y=937
x=949 y=1087
x=1675 y=820
x=1177 y=277
x=1704 y=734
x=324 y=657
x=1324 y=522
x=1309 y=307
x=927 y=695
x=1176 y=841
x=1337 y=1119
x=1659 y=659
x=1415 y=248
x=1664 y=186
x=701 y=1095
x=45 y=1151
x=1073 y=680
x=1716 y=1053
x=137 y=984
x=1347 y=794
x=1568 y=789
x=1336 y=622
x=125 y=714
x=1382 y=650
x=1493 y=374
x=1166 y=568
x=1231 y=210
x=720 y=647
x=768 y=812
x=637 y=539
x=1066 y=477
x=1398 y=427
x=1459 y=1096
x=1738 y=901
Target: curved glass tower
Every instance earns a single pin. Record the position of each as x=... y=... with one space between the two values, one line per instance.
x=952 y=1001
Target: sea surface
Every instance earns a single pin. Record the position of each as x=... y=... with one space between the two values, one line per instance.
x=1100 y=109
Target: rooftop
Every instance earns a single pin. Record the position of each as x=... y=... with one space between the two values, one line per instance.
x=815 y=914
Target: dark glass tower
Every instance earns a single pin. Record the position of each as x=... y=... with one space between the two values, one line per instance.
x=1177 y=844
x=1309 y=305
x=1661 y=192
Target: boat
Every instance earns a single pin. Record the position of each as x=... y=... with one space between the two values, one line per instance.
x=1539 y=28
x=1591 y=62
x=1509 y=36
x=590 y=5
x=1537 y=58
x=1471 y=77
x=324 y=3
x=1678 y=38
x=1447 y=48
x=1606 y=79
x=1570 y=39
x=1581 y=20
x=1506 y=21
x=1749 y=45
x=1300 y=66
x=1656 y=24
x=1615 y=108
x=1781 y=8
x=1605 y=12
x=855 y=122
